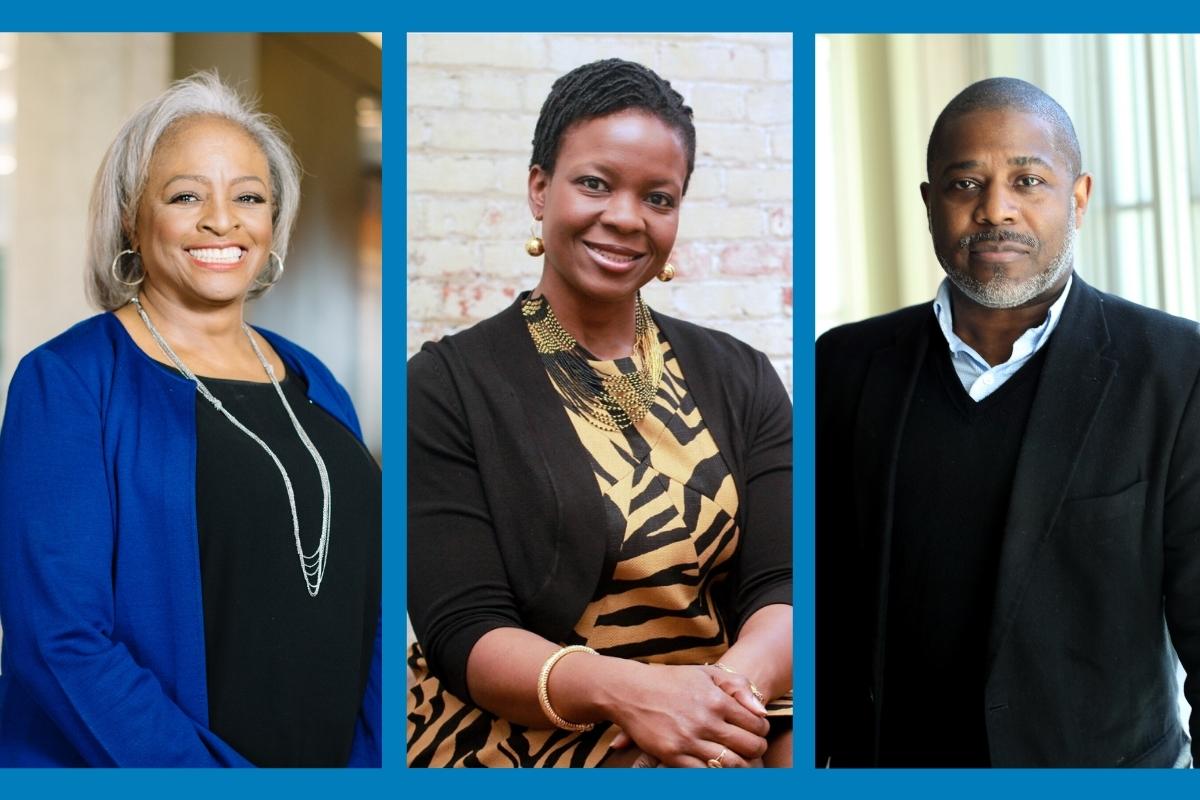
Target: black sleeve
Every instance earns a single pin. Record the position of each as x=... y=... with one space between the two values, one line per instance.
x=764 y=572
x=458 y=589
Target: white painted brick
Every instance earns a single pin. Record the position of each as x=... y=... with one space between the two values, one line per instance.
x=779 y=64
x=770 y=105
x=414 y=47
x=417 y=129
x=773 y=338
x=500 y=91
x=781 y=142
x=756 y=258
x=437 y=258
x=442 y=174
x=512 y=175
x=488 y=50
x=457 y=217
x=724 y=61
x=758 y=185
x=722 y=300
x=704 y=220
x=433 y=89
x=568 y=52
x=731 y=143
x=779 y=221
x=706 y=184
x=479 y=131
x=693 y=261
x=718 y=102
x=507 y=261
x=537 y=86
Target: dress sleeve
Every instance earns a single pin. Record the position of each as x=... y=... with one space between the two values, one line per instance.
x=56 y=588
x=764 y=570
x=458 y=589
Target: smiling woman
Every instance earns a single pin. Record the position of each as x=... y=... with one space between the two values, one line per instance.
x=167 y=483
x=600 y=495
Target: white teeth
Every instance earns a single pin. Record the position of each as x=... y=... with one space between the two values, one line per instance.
x=607 y=256
x=217 y=255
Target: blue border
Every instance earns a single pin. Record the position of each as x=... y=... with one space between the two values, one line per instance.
x=394 y=779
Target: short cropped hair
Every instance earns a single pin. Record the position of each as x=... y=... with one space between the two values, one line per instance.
x=1009 y=94
x=121 y=179
x=606 y=87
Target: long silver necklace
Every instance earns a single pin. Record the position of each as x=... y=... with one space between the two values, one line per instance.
x=312 y=566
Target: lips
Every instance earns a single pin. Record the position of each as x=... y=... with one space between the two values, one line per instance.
x=218 y=257
x=613 y=256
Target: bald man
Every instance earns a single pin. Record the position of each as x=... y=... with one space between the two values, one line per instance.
x=1008 y=484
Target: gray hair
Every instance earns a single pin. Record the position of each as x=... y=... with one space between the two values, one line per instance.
x=122 y=177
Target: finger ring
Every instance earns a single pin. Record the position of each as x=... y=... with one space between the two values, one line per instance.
x=716 y=762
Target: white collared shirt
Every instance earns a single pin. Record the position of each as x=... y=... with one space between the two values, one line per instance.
x=977 y=376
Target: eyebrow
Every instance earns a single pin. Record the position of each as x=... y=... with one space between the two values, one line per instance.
x=1015 y=161
x=204 y=180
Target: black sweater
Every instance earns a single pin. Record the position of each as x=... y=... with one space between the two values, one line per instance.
x=502 y=501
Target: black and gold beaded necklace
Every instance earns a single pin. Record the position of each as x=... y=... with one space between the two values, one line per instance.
x=610 y=402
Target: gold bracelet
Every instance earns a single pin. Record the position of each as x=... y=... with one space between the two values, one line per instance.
x=543 y=690
x=753 y=689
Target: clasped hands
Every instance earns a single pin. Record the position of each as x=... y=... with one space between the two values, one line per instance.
x=692 y=716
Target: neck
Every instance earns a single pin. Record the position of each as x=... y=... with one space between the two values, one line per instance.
x=991 y=332
x=606 y=330
x=192 y=328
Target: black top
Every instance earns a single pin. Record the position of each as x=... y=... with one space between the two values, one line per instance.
x=953 y=483
x=286 y=671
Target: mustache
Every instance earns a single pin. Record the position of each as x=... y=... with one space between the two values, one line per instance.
x=1000 y=235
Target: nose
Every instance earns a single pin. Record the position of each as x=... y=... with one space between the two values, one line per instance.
x=996 y=206
x=622 y=212
x=220 y=216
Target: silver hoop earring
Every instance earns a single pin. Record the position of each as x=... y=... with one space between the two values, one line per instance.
x=278 y=275
x=118 y=278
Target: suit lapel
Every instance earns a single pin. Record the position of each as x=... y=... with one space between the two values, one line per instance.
x=1075 y=378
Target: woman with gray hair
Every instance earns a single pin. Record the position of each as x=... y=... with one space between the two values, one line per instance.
x=167 y=483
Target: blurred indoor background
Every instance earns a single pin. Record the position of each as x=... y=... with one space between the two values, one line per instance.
x=64 y=96
x=1135 y=102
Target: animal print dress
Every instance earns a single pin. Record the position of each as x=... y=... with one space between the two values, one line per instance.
x=671 y=515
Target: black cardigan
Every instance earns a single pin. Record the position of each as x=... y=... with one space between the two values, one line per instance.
x=503 y=506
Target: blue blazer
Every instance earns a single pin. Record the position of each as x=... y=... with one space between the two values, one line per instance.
x=103 y=659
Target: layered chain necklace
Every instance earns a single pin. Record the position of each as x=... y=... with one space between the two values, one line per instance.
x=609 y=402
x=312 y=565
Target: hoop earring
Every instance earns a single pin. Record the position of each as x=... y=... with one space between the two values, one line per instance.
x=275 y=280
x=113 y=269
x=534 y=246
x=668 y=272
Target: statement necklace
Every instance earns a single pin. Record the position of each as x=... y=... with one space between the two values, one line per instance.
x=312 y=566
x=610 y=402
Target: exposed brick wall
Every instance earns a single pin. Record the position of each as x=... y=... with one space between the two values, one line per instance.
x=473 y=101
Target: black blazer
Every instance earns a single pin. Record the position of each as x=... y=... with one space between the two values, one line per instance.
x=1101 y=551
x=505 y=519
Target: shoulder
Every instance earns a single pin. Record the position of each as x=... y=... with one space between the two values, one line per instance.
x=470 y=349
x=323 y=387
x=869 y=335
x=88 y=349
x=1137 y=327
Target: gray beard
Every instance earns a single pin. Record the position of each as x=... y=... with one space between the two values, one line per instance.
x=1005 y=292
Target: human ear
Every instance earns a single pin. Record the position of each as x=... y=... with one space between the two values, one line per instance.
x=539 y=182
x=1082 y=191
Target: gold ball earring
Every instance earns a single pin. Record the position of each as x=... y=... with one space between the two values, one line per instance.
x=668 y=272
x=534 y=246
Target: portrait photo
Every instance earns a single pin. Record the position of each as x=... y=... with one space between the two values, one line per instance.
x=599 y=416
x=1006 y=304
x=191 y=372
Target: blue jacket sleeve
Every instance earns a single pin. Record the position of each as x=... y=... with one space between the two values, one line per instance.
x=57 y=542
x=367 y=750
